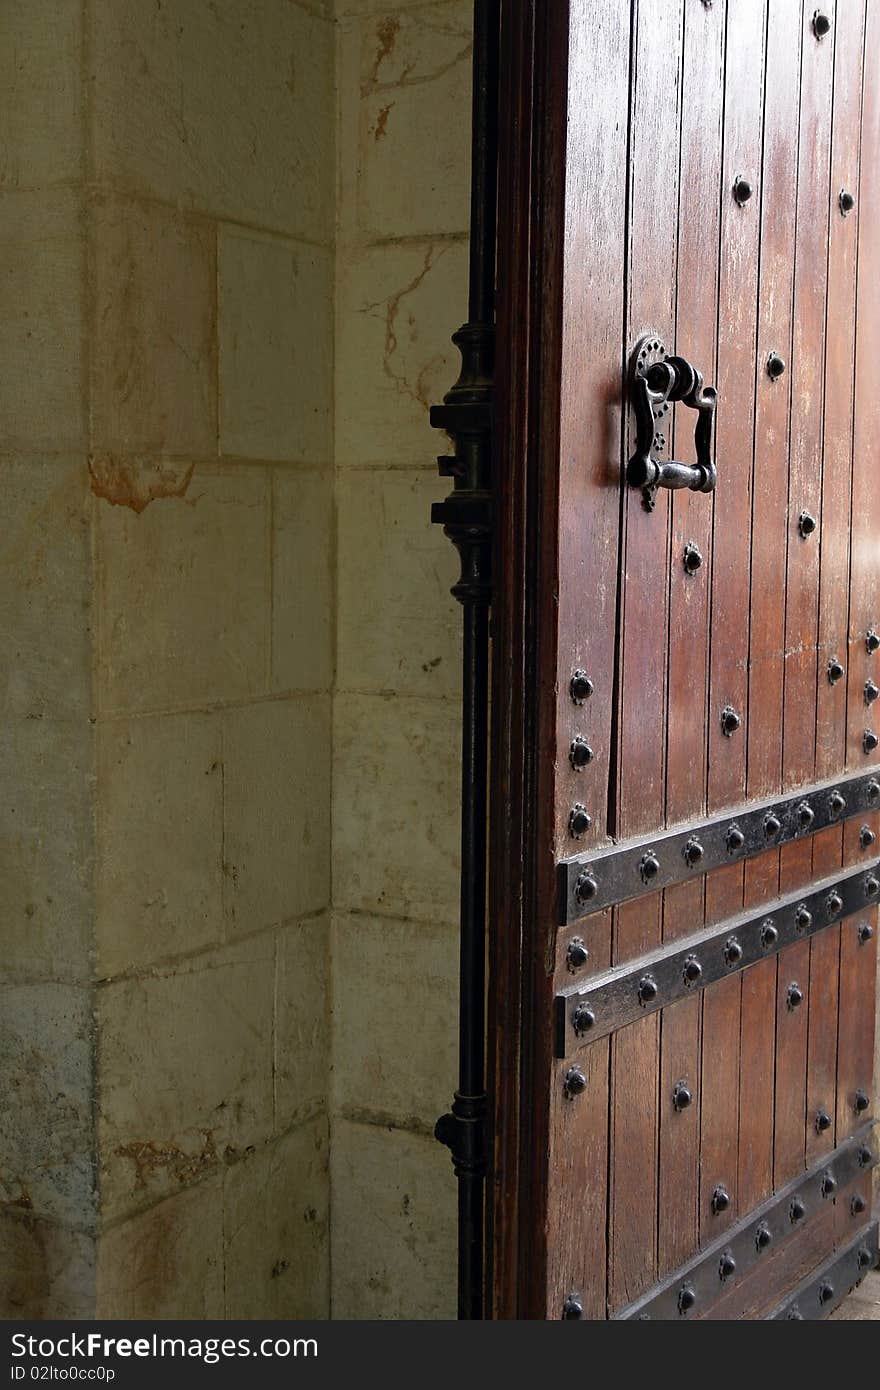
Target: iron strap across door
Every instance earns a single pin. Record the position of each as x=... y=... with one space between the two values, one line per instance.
x=590 y=882
x=618 y=997
x=823 y=1290
x=692 y=1289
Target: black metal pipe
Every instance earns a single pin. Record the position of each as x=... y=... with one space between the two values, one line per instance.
x=466 y=415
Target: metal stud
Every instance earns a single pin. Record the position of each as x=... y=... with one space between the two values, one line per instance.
x=866 y=837
x=846 y=202
x=794 y=1314
x=730 y=721
x=575 y=1082
x=720 y=1200
x=687 y=1297
x=866 y=1157
x=582 y=1019
x=647 y=989
x=836 y=803
x=693 y=851
x=797 y=1211
x=872 y=641
x=735 y=839
x=865 y=1258
x=585 y=888
x=829 y=1185
x=579 y=821
x=693 y=970
x=733 y=952
x=572 y=1308
x=693 y=558
x=580 y=687
x=871 y=886
x=775 y=366
x=866 y=931
x=823 y=1122
x=681 y=1096
x=742 y=189
x=727 y=1265
x=769 y=934
x=577 y=954
x=807 y=524
x=836 y=670
x=826 y=1292
x=861 y=1102
x=649 y=867
x=763 y=1236
x=872 y=790
x=772 y=825
x=857 y=1204
x=870 y=741
x=795 y=996
x=872 y=690
x=580 y=753
x=806 y=815
x=803 y=918
x=833 y=904
x=821 y=24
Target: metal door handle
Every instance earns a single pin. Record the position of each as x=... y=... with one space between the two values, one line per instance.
x=657 y=380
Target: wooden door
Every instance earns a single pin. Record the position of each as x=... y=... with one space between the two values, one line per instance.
x=686 y=776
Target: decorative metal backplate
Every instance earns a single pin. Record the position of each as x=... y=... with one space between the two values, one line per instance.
x=693 y=1288
x=591 y=881
x=829 y=1285
x=614 y=998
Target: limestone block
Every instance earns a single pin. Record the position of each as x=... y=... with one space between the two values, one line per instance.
x=46 y=848
x=154 y=365
x=277 y=1220
x=47 y=1271
x=302 y=580
x=166 y=1262
x=40 y=93
x=45 y=589
x=393 y=1224
x=396 y=806
x=395 y=1018
x=183 y=588
x=398 y=626
x=302 y=1028
x=46 y=1167
x=160 y=839
x=277 y=817
x=276 y=350
x=42 y=262
x=184 y=1072
x=225 y=107
x=396 y=308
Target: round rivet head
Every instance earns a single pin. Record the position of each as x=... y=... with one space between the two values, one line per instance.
x=865 y=1258
x=687 y=1298
x=846 y=201
x=772 y=825
x=733 y=952
x=836 y=803
x=806 y=815
x=807 y=524
x=580 y=753
x=577 y=954
x=861 y=1102
x=575 y=1082
x=872 y=690
x=795 y=996
x=586 y=888
x=870 y=740
x=727 y=1265
x=857 y=1205
x=872 y=641
x=866 y=1156
x=821 y=24
x=735 y=839
x=833 y=904
x=871 y=886
x=730 y=721
x=582 y=1019
x=803 y=918
x=649 y=867
x=580 y=687
x=579 y=821
x=720 y=1200
x=836 y=670
x=797 y=1211
x=742 y=189
x=866 y=837
x=572 y=1308
x=829 y=1185
x=823 y=1122
x=693 y=558
x=763 y=1236
x=647 y=989
x=769 y=935
x=794 y=1314
x=693 y=970
x=866 y=931
x=872 y=790
x=681 y=1095
x=775 y=366
x=826 y=1292
x=693 y=851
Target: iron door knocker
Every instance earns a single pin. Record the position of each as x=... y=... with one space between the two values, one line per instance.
x=657 y=380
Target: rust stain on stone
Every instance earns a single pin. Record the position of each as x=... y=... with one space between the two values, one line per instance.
x=133 y=483
x=151 y=1159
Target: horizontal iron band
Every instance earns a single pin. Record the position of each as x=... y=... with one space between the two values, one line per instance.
x=617 y=997
x=590 y=882
x=826 y=1288
x=694 y=1288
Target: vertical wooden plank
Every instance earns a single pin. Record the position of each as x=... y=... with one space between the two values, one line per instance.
x=593 y=311
x=654 y=170
x=688 y=663
x=802 y=570
x=778 y=203
x=738 y=287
